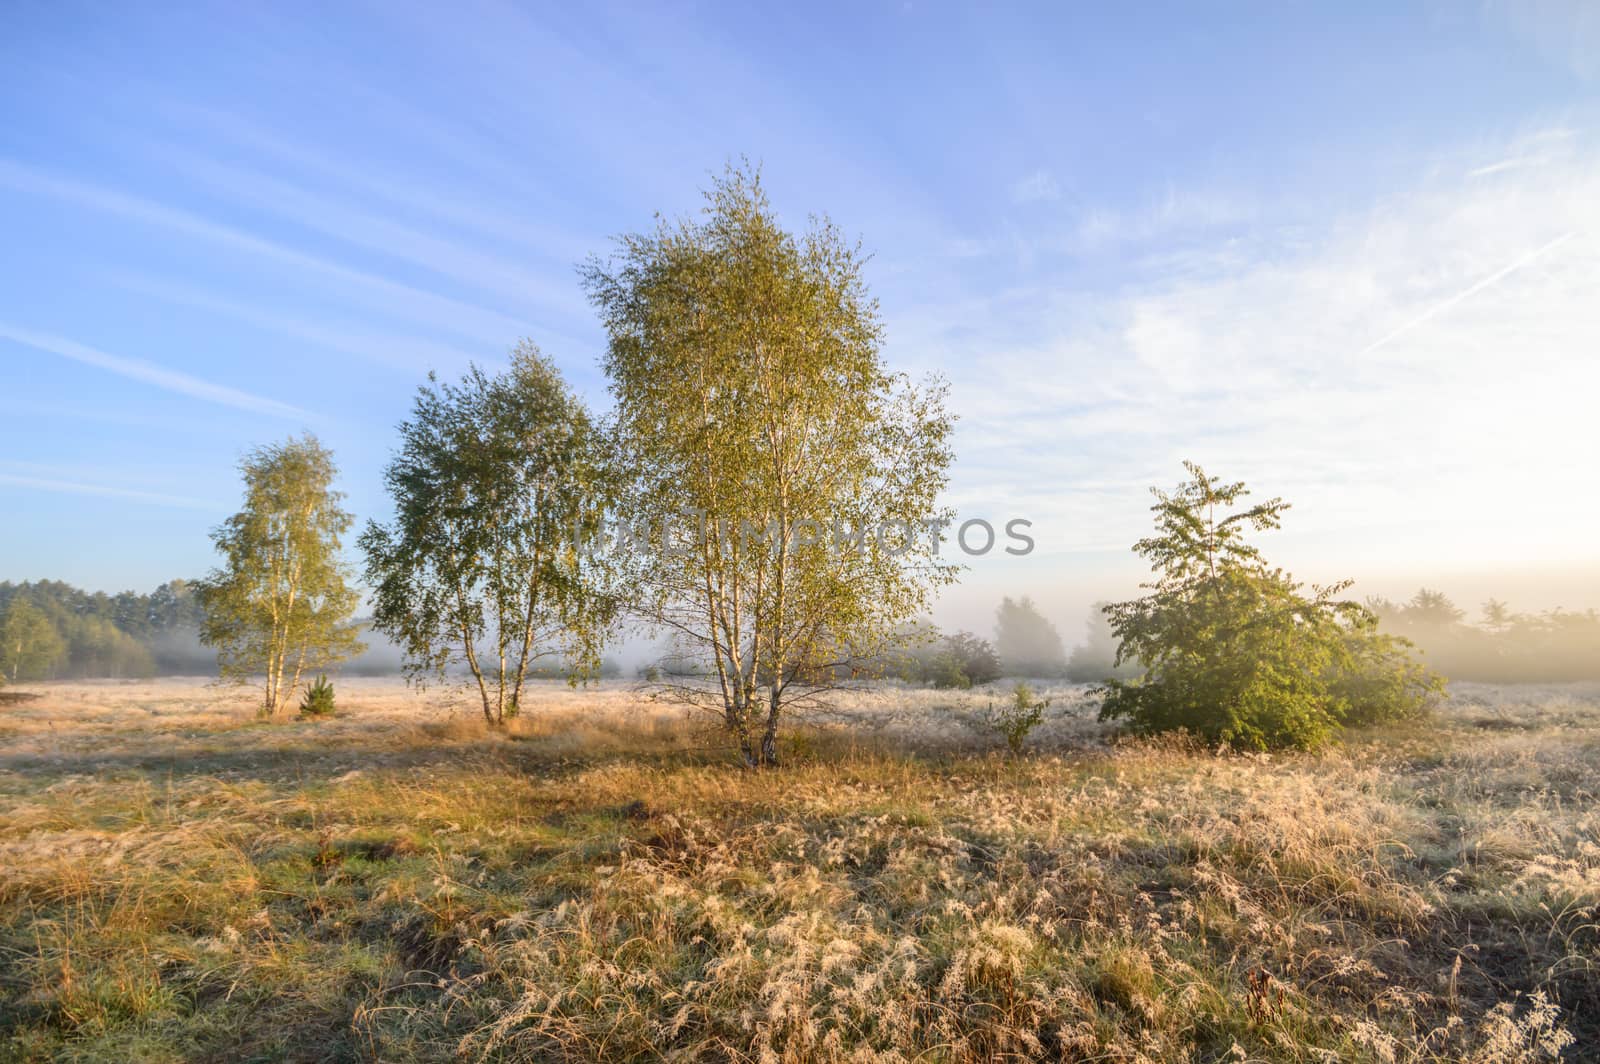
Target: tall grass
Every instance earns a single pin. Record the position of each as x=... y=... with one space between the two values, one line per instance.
x=597 y=882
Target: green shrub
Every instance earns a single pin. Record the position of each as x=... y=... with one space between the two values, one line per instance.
x=1376 y=681
x=945 y=672
x=1016 y=719
x=976 y=657
x=1234 y=651
x=318 y=701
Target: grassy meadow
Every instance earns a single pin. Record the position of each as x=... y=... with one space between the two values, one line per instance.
x=179 y=881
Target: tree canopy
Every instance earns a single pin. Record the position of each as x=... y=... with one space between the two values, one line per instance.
x=497 y=484
x=782 y=474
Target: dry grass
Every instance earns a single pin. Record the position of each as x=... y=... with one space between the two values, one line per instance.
x=178 y=881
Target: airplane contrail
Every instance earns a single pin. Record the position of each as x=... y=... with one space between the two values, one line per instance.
x=75 y=487
x=1439 y=308
x=140 y=370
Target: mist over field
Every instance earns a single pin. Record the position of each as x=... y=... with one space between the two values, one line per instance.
x=905 y=532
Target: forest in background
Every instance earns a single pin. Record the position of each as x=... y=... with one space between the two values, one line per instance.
x=1500 y=645
x=50 y=630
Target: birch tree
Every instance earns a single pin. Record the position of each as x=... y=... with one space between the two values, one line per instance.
x=784 y=478
x=496 y=483
x=280 y=604
x=30 y=645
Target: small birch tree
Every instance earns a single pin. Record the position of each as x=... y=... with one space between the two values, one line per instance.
x=497 y=483
x=783 y=477
x=280 y=604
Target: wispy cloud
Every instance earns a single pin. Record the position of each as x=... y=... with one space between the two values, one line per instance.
x=1171 y=218
x=419 y=305
x=1258 y=357
x=74 y=487
x=1173 y=212
x=150 y=373
x=1466 y=293
x=1516 y=162
x=390 y=349
x=350 y=223
x=1542 y=147
x=498 y=221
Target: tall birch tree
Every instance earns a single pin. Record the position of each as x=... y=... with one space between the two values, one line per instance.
x=784 y=478
x=280 y=604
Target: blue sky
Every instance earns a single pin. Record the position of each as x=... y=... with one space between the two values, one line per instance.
x=1343 y=251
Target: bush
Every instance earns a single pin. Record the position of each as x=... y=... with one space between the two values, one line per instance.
x=318 y=701
x=1376 y=681
x=976 y=656
x=1234 y=652
x=946 y=673
x=1016 y=719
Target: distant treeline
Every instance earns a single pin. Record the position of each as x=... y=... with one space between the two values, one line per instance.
x=52 y=630
x=1500 y=645
x=1025 y=644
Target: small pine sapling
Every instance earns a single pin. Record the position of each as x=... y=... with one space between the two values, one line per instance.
x=318 y=701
